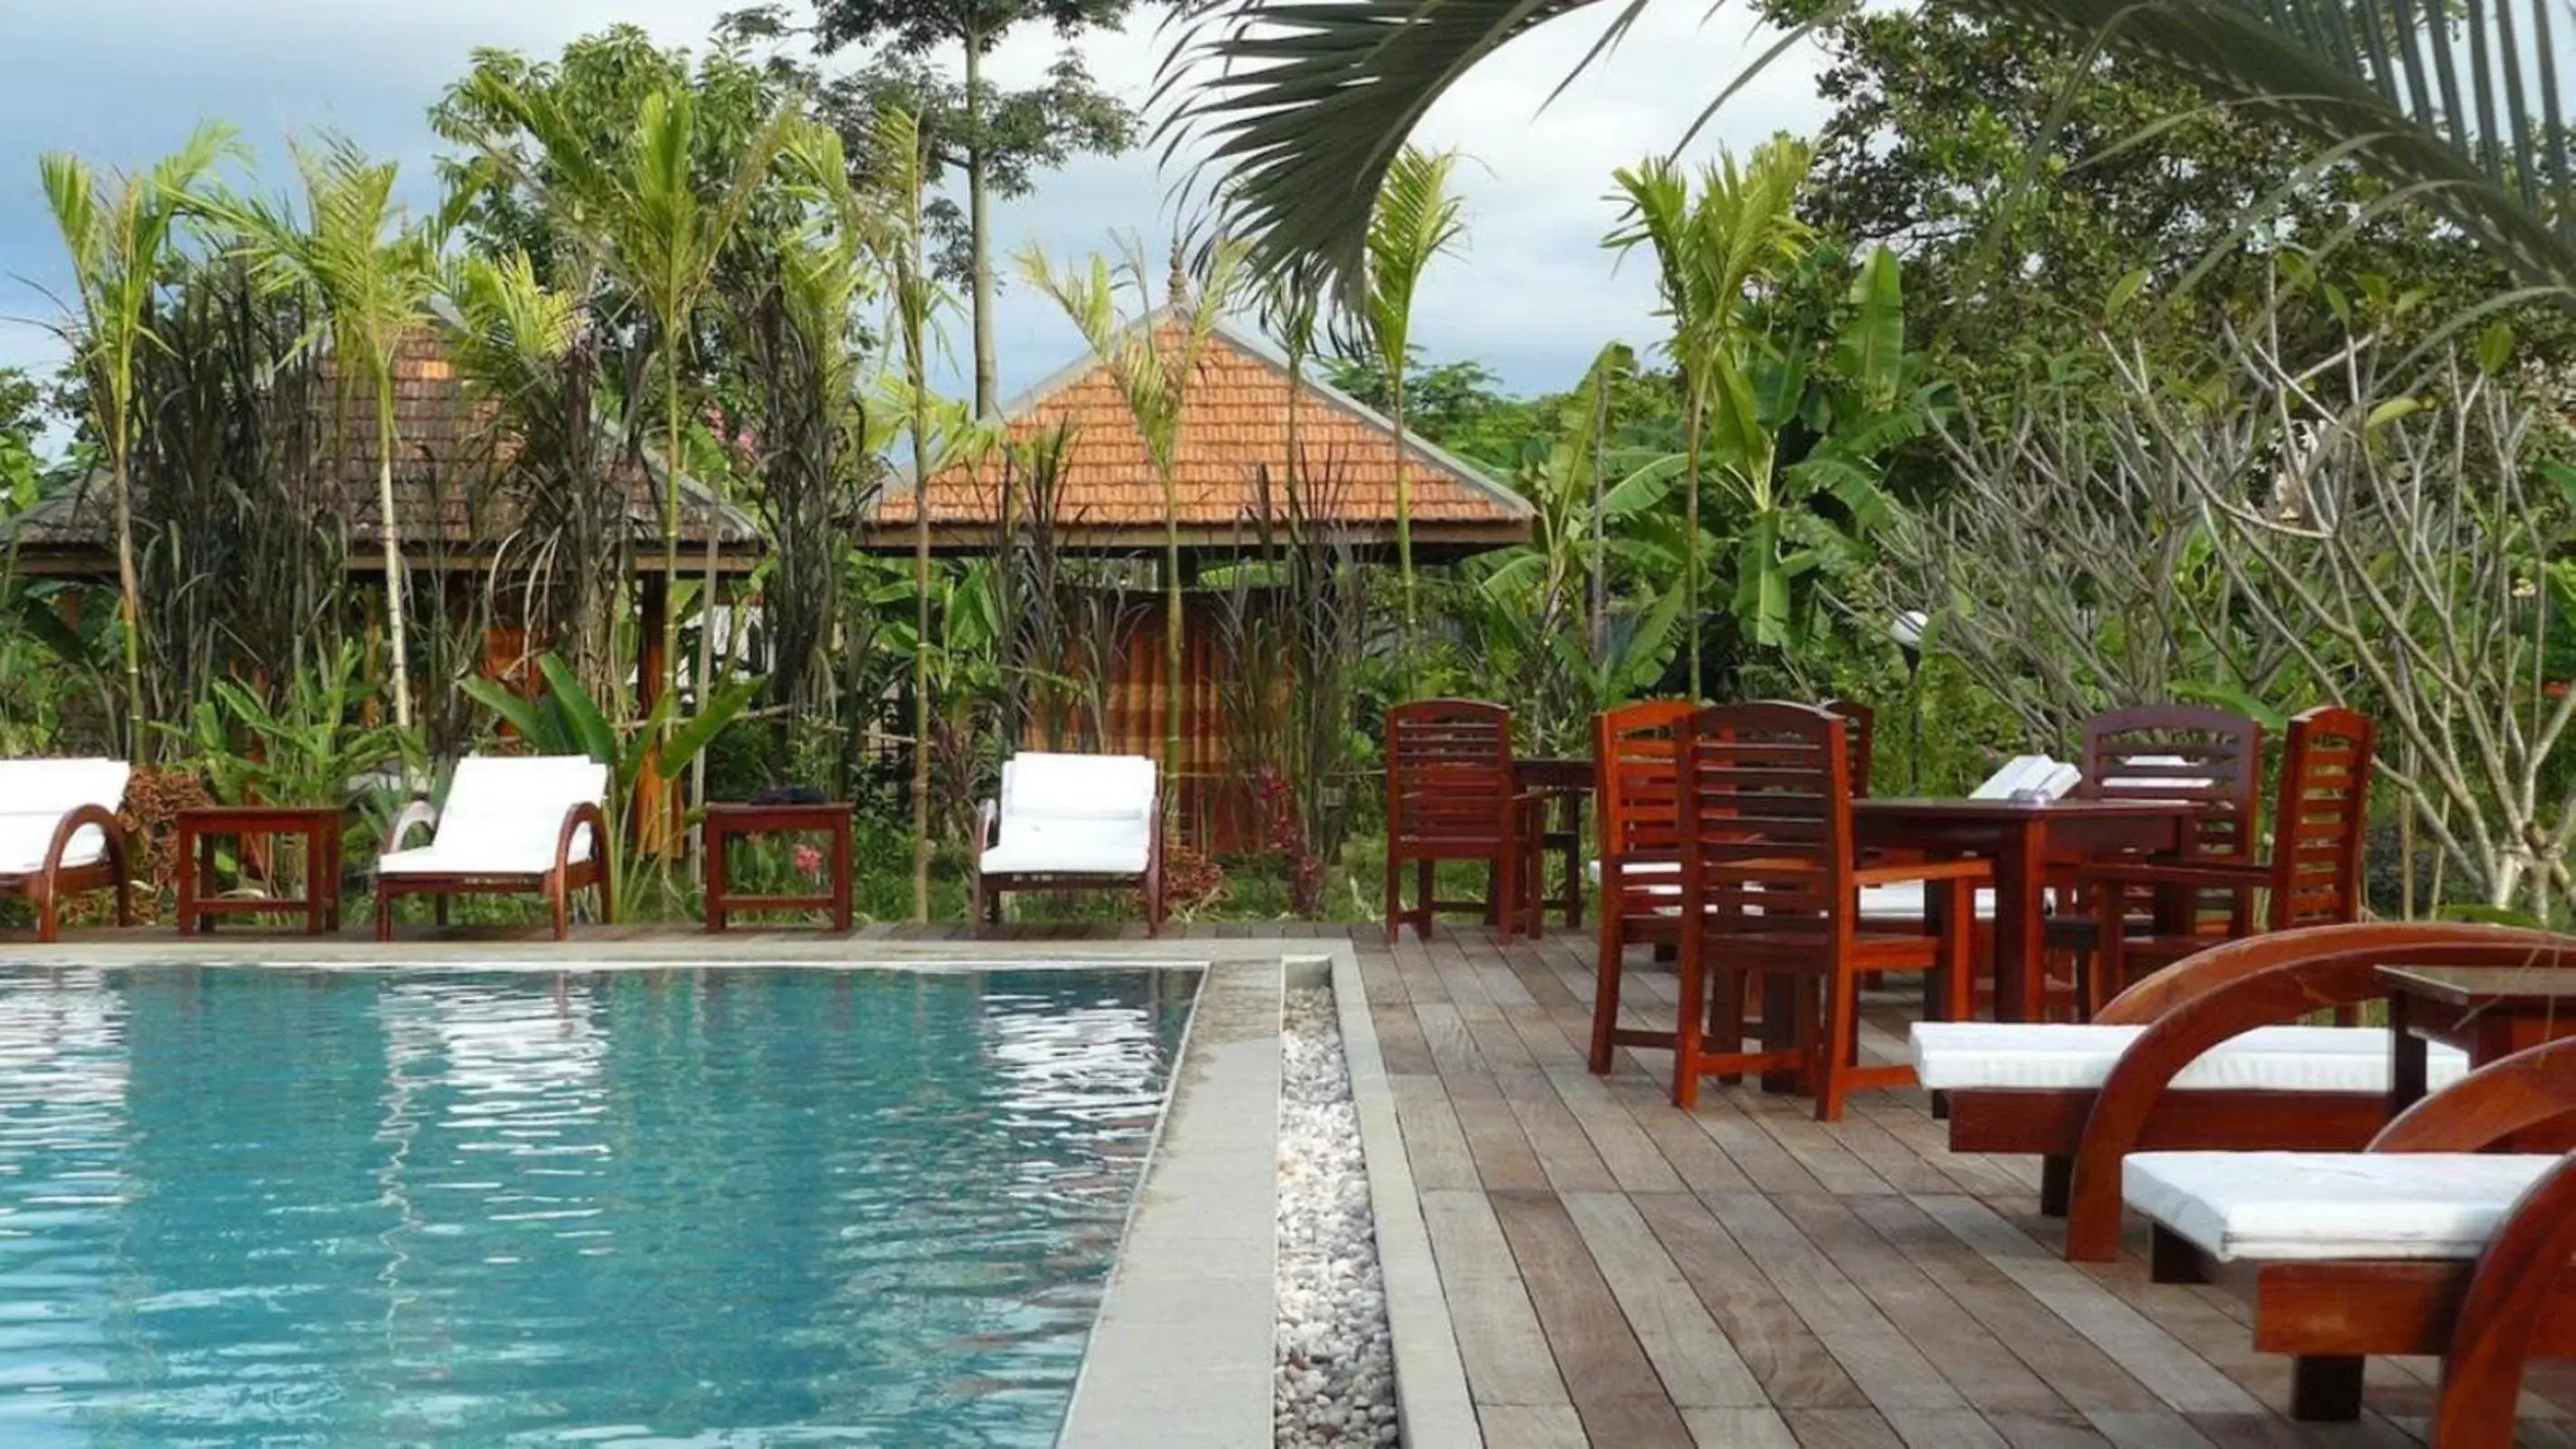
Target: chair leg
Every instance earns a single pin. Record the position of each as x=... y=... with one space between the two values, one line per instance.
x=1605 y=996
x=384 y=912
x=607 y=906
x=1505 y=897
x=1426 y=880
x=1689 y=1001
x=48 y=917
x=2056 y=1184
x=1835 y=1044
x=1726 y=1017
x=560 y=899
x=1394 y=894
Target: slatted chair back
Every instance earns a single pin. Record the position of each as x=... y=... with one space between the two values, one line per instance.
x=1860 y=730
x=2181 y=752
x=1633 y=769
x=1449 y=774
x=2318 y=820
x=1766 y=824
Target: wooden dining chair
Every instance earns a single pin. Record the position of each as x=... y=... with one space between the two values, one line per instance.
x=1860 y=730
x=1450 y=796
x=2312 y=878
x=2208 y=756
x=1638 y=804
x=1769 y=890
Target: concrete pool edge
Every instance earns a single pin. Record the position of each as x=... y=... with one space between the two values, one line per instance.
x=1183 y=1350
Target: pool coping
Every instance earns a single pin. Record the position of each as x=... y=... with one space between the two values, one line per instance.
x=1168 y=1363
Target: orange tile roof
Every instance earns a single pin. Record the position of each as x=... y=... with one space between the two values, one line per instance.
x=451 y=483
x=1234 y=421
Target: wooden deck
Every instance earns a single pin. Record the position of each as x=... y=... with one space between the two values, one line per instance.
x=1624 y=1274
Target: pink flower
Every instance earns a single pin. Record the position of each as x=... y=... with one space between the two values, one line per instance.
x=809 y=861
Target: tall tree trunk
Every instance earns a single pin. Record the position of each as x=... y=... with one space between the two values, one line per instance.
x=389 y=533
x=1173 y=615
x=659 y=829
x=1690 y=538
x=979 y=229
x=1599 y=602
x=1403 y=522
x=128 y=604
x=919 y=368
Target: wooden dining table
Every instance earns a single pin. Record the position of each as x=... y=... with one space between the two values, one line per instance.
x=2019 y=838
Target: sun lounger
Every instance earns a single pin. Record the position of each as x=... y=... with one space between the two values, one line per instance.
x=1071 y=823
x=510 y=826
x=2425 y=1243
x=2205 y=1054
x=59 y=835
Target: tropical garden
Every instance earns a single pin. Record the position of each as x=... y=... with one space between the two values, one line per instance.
x=2214 y=354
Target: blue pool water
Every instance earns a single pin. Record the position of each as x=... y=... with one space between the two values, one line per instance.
x=266 y=1206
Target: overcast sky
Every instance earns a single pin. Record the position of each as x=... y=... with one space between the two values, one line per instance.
x=1534 y=296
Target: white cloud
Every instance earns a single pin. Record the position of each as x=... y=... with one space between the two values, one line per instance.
x=1534 y=296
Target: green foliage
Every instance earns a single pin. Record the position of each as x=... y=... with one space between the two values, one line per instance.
x=309 y=749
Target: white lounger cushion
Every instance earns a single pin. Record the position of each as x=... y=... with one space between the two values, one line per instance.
x=35 y=795
x=2311 y=1206
x=1954 y=1056
x=1074 y=815
x=503 y=815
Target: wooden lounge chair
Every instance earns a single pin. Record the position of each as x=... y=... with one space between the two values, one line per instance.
x=59 y=835
x=1071 y=823
x=2313 y=877
x=1451 y=795
x=1770 y=889
x=2205 y=1054
x=2426 y=1242
x=511 y=825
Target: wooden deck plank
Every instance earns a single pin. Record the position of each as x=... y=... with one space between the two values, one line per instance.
x=1699 y=1366
x=1888 y=1367
x=1433 y=1143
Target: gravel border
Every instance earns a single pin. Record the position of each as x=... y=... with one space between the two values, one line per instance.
x=1336 y=1372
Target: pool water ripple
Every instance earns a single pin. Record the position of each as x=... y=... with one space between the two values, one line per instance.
x=267 y=1206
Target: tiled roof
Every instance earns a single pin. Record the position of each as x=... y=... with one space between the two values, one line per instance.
x=1235 y=420
x=448 y=467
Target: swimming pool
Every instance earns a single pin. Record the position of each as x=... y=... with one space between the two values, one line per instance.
x=732 y=1206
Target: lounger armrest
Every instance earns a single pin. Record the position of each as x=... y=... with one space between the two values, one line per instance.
x=585 y=813
x=1891 y=872
x=988 y=822
x=419 y=814
x=78 y=818
x=2337 y=967
x=2150 y=998
x=2530 y=1087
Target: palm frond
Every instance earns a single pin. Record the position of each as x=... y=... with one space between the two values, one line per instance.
x=1306 y=104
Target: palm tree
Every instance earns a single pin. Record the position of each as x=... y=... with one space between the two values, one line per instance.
x=887 y=217
x=1312 y=100
x=119 y=238
x=658 y=226
x=1741 y=229
x=1416 y=218
x=1153 y=375
x=373 y=273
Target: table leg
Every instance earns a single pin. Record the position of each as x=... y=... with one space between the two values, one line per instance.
x=2020 y=935
x=716 y=890
x=2405 y=1055
x=316 y=860
x=1573 y=860
x=205 y=863
x=843 y=918
x=187 y=853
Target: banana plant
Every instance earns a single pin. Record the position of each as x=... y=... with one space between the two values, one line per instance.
x=1854 y=413
x=302 y=750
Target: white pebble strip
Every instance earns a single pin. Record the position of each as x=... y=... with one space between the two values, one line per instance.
x=1336 y=1378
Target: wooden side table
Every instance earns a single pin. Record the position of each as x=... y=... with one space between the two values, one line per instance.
x=2487 y=1011
x=724 y=822
x=319 y=825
